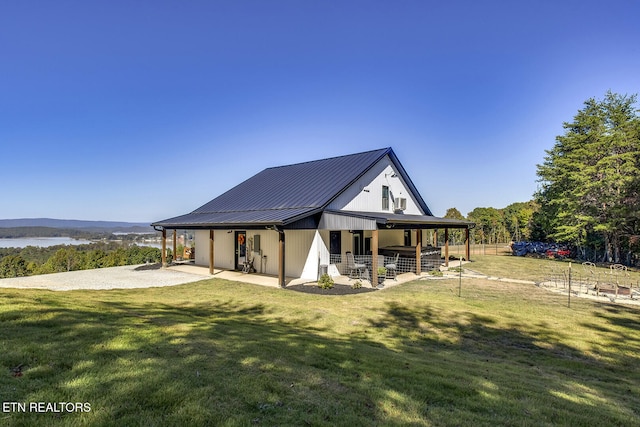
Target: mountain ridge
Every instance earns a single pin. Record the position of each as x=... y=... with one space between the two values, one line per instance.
x=71 y=223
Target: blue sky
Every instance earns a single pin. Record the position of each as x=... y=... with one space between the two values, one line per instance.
x=144 y=110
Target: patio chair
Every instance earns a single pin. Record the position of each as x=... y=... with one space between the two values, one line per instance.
x=392 y=268
x=354 y=267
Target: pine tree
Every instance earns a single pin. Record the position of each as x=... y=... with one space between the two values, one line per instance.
x=590 y=177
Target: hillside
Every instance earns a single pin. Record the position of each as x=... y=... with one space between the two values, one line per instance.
x=72 y=224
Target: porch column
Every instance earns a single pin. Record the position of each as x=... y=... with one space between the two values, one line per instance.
x=467 y=244
x=446 y=247
x=281 y=252
x=435 y=237
x=374 y=258
x=418 y=251
x=210 y=251
x=164 y=247
x=175 y=250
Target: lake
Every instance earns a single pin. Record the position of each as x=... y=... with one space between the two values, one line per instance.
x=42 y=242
x=45 y=242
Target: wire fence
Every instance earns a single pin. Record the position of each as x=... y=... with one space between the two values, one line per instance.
x=479 y=249
x=361 y=265
x=615 y=283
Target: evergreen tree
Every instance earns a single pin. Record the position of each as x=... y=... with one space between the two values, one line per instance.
x=590 y=177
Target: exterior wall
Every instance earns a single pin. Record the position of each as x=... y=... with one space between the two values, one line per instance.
x=223 y=247
x=390 y=238
x=365 y=195
x=265 y=260
x=297 y=246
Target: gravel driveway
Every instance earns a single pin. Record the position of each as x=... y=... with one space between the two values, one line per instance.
x=126 y=277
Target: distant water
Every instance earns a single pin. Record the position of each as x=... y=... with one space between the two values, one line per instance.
x=42 y=242
x=45 y=242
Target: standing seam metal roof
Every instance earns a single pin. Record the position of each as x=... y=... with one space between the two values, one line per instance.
x=310 y=184
x=284 y=193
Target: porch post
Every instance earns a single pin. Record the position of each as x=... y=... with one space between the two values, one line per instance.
x=435 y=237
x=446 y=247
x=211 y=251
x=374 y=257
x=418 y=251
x=164 y=247
x=281 y=270
x=175 y=253
x=467 y=244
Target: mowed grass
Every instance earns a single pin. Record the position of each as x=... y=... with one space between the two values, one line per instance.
x=539 y=269
x=229 y=354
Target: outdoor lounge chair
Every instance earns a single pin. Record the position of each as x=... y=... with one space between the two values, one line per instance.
x=393 y=267
x=354 y=267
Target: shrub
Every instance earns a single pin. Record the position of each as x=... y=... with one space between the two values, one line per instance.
x=356 y=285
x=325 y=282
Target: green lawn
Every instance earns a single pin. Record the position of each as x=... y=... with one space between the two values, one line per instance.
x=224 y=353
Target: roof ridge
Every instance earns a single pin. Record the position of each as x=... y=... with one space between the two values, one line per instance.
x=381 y=150
x=253 y=210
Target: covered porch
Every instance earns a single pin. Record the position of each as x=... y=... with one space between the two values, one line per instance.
x=272 y=281
x=324 y=244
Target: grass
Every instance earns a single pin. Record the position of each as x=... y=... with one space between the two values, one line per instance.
x=537 y=269
x=231 y=354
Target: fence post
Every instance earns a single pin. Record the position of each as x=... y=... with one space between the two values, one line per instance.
x=569 y=293
x=460 y=280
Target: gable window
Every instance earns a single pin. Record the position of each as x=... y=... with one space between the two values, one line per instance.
x=385 y=198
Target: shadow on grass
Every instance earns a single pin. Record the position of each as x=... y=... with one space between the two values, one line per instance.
x=235 y=363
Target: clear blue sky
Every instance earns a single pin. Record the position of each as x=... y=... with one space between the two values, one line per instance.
x=143 y=110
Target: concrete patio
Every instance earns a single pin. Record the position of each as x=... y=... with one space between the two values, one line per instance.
x=272 y=281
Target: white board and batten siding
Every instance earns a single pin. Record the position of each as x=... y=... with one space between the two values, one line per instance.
x=297 y=244
x=365 y=195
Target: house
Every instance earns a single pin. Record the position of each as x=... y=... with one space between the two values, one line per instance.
x=298 y=220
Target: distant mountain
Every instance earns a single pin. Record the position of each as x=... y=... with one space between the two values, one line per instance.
x=113 y=226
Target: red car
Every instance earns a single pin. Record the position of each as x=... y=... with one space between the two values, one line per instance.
x=557 y=253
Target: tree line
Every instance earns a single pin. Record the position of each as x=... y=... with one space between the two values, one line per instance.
x=31 y=260
x=589 y=194
x=498 y=225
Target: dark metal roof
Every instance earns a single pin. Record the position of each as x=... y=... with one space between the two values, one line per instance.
x=303 y=185
x=284 y=194
x=235 y=218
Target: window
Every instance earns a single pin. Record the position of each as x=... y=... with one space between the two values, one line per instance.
x=385 y=198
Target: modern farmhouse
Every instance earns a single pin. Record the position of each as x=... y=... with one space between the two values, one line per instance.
x=342 y=215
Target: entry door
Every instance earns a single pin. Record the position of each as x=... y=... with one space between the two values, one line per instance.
x=358 y=242
x=241 y=249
